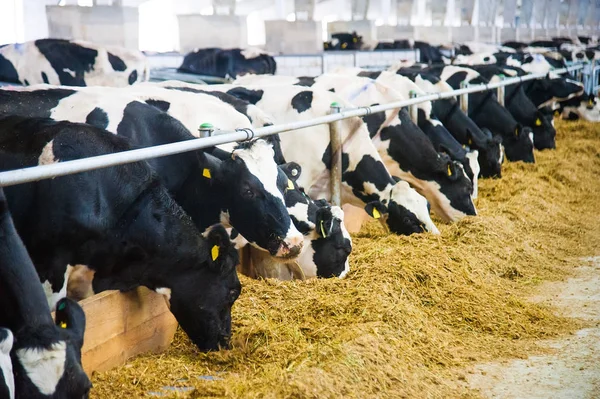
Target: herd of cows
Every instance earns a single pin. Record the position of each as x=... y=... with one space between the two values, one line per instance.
x=175 y=224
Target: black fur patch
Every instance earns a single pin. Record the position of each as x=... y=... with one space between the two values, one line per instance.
x=160 y=104
x=302 y=101
x=68 y=59
x=456 y=79
x=327 y=158
x=8 y=73
x=374 y=121
x=116 y=63
x=251 y=96
x=97 y=118
x=306 y=81
x=369 y=74
x=45 y=78
x=133 y=77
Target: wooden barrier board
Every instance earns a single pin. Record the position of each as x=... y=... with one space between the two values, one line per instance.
x=122 y=325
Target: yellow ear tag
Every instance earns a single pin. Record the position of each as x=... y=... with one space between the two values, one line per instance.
x=538 y=122
x=344 y=45
x=322 y=230
x=449 y=171
x=355 y=40
x=470 y=142
x=206 y=173
x=63 y=324
x=290 y=185
x=376 y=214
x=214 y=252
x=517 y=132
x=591 y=102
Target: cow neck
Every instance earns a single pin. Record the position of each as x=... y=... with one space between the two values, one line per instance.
x=508 y=99
x=27 y=304
x=446 y=118
x=487 y=97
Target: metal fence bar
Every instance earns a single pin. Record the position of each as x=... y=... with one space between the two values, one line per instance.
x=35 y=173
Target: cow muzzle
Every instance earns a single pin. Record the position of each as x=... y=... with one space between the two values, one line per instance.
x=290 y=247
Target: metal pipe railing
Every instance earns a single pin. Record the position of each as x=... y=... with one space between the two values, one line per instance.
x=41 y=172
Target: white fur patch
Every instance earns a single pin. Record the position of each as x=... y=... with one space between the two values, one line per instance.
x=47 y=155
x=531 y=137
x=44 y=367
x=54 y=297
x=166 y=292
x=6 y=364
x=474 y=164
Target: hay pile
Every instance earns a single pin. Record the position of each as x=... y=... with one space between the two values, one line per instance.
x=414 y=311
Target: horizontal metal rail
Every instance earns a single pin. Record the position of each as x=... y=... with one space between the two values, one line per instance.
x=35 y=173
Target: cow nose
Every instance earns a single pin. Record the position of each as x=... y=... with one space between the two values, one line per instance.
x=291 y=246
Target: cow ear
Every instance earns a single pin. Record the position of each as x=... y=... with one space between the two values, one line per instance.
x=292 y=170
x=325 y=225
x=518 y=130
x=376 y=209
x=221 y=257
x=70 y=317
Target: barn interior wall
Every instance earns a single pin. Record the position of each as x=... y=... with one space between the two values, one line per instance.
x=159 y=31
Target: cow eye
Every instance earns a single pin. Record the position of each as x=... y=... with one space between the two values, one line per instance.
x=247 y=193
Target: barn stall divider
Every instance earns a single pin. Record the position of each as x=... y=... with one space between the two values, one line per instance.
x=123 y=325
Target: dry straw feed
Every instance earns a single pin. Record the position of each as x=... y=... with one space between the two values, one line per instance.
x=414 y=311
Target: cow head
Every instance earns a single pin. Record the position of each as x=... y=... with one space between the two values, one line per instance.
x=407 y=211
x=327 y=242
x=456 y=188
x=544 y=133
x=47 y=358
x=253 y=199
x=7 y=382
x=201 y=297
x=491 y=154
x=518 y=146
x=332 y=243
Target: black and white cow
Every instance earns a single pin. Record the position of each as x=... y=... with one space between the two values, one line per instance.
x=521 y=107
x=121 y=223
x=7 y=380
x=428 y=53
x=365 y=180
x=405 y=149
x=46 y=355
x=344 y=41
x=485 y=110
x=201 y=184
x=327 y=243
x=228 y=62
x=71 y=63
x=463 y=129
x=440 y=137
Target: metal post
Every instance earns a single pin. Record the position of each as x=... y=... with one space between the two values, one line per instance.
x=205 y=130
x=335 y=138
x=500 y=93
x=464 y=98
x=413 y=110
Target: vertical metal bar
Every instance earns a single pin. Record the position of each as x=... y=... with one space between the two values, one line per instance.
x=500 y=93
x=335 y=137
x=413 y=110
x=464 y=98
